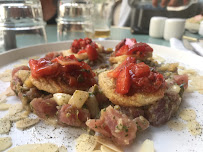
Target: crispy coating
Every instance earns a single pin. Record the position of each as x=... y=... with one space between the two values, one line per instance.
x=54 y=85
x=108 y=86
x=121 y=58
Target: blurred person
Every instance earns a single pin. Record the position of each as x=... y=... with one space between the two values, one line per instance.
x=49 y=9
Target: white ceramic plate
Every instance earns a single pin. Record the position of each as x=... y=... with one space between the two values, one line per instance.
x=165 y=139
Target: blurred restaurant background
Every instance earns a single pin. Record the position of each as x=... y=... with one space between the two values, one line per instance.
x=30 y=22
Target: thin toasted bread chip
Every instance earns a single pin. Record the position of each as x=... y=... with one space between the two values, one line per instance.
x=62 y=149
x=188 y=114
x=15 y=108
x=194 y=127
x=17 y=116
x=108 y=143
x=23 y=148
x=5 y=125
x=3 y=98
x=106 y=149
x=6 y=76
x=85 y=143
x=147 y=146
x=5 y=143
x=4 y=106
x=27 y=122
x=47 y=147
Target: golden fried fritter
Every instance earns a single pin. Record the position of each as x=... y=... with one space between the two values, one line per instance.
x=108 y=86
x=55 y=85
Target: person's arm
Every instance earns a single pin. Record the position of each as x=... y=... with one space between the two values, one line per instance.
x=170 y=2
x=49 y=8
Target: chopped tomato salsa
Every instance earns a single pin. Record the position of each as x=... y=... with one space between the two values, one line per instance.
x=85 y=45
x=131 y=47
x=68 y=68
x=136 y=76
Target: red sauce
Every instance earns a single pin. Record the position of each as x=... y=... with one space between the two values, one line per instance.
x=85 y=45
x=139 y=77
x=131 y=47
x=67 y=68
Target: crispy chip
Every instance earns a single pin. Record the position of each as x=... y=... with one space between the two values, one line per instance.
x=147 y=146
x=188 y=114
x=106 y=149
x=108 y=143
x=15 y=108
x=176 y=125
x=47 y=147
x=194 y=127
x=85 y=143
x=9 y=92
x=24 y=148
x=17 y=116
x=5 y=125
x=4 y=106
x=62 y=149
x=27 y=122
x=3 y=98
x=6 y=76
x=5 y=143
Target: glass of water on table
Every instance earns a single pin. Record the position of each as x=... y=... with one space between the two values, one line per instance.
x=71 y=19
x=21 y=24
x=100 y=15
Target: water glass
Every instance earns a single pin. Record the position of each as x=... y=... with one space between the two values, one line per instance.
x=21 y=24
x=101 y=18
x=71 y=19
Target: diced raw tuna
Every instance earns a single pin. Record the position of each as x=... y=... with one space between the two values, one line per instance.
x=44 y=108
x=114 y=124
x=73 y=116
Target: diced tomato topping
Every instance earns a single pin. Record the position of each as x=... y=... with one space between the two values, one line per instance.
x=43 y=67
x=80 y=44
x=139 y=77
x=91 y=52
x=82 y=51
x=140 y=48
x=119 y=45
x=68 y=68
x=130 y=42
x=123 y=82
x=131 y=47
x=122 y=51
x=116 y=71
x=85 y=45
x=182 y=80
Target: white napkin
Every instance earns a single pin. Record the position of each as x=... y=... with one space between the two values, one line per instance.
x=178 y=44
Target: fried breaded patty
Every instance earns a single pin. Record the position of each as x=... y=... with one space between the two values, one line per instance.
x=108 y=86
x=55 y=85
x=121 y=58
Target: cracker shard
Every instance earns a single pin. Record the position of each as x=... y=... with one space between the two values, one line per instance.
x=5 y=125
x=5 y=143
x=27 y=122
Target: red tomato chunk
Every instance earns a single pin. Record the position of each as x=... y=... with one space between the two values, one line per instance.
x=68 y=68
x=131 y=47
x=138 y=77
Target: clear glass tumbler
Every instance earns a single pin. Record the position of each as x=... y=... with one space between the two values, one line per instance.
x=71 y=19
x=21 y=24
x=102 y=18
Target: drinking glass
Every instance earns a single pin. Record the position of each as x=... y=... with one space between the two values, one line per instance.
x=71 y=19
x=101 y=18
x=21 y=24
